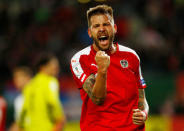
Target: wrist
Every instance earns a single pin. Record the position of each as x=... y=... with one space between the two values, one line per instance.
x=102 y=71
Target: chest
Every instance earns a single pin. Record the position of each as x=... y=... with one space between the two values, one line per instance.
x=122 y=76
x=123 y=68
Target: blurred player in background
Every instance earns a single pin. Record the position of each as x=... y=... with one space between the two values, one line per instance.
x=42 y=110
x=109 y=78
x=21 y=76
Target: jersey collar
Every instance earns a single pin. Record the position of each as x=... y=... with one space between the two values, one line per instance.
x=116 y=44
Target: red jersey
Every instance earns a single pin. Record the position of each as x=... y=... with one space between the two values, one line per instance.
x=123 y=81
x=3 y=107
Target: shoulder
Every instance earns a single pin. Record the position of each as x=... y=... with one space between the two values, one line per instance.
x=85 y=51
x=53 y=80
x=129 y=50
x=53 y=84
x=79 y=61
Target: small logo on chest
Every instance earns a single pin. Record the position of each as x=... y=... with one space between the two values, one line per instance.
x=124 y=63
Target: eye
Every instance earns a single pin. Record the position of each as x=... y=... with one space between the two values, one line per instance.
x=96 y=25
x=106 y=24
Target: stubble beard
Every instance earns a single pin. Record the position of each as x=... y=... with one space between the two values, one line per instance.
x=96 y=42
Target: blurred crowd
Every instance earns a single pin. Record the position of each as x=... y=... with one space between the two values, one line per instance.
x=153 y=28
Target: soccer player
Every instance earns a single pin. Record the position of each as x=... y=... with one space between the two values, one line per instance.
x=42 y=110
x=21 y=76
x=109 y=78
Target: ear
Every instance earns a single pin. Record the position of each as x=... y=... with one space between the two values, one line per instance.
x=89 y=32
x=115 y=28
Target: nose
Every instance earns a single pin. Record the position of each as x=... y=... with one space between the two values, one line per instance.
x=102 y=28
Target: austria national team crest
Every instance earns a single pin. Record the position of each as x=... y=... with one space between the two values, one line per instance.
x=124 y=63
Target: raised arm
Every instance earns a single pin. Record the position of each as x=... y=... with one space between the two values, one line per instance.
x=140 y=115
x=96 y=87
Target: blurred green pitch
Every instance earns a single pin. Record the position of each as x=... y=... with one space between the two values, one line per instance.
x=72 y=126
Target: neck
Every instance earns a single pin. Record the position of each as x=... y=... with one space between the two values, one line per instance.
x=46 y=72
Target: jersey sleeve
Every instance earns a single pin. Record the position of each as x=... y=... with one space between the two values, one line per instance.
x=141 y=82
x=79 y=70
x=54 y=104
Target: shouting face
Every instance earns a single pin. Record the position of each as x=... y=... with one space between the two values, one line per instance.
x=102 y=31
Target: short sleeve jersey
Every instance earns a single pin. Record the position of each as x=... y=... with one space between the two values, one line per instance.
x=42 y=107
x=124 y=78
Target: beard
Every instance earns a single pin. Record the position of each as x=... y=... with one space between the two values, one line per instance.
x=97 y=43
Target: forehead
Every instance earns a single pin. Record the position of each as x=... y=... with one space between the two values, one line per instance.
x=20 y=74
x=100 y=18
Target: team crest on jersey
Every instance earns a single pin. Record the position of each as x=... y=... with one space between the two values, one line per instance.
x=124 y=63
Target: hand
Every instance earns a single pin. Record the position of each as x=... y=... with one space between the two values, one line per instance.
x=139 y=117
x=102 y=61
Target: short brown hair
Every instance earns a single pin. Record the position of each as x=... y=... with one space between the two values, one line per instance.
x=99 y=9
x=43 y=59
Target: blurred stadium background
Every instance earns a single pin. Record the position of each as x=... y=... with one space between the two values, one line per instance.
x=154 y=28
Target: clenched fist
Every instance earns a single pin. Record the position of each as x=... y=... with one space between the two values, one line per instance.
x=139 y=117
x=102 y=61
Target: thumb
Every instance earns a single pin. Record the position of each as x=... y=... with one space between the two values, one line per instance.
x=135 y=110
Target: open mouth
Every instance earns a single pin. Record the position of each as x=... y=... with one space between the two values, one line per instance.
x=103 y=41
x=103 y=38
